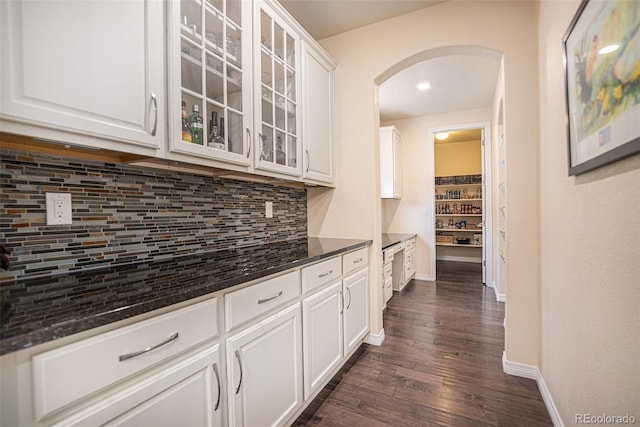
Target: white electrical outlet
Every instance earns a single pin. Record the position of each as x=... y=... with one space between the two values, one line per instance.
x=268 y=209
x=58 y=208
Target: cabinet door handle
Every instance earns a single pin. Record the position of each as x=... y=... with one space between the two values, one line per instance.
x=262 y=301
x=325 y=274
x=148 y=349
x=154 y=101
x=357 y=260
x=240 y=365
x=215 y=371
x=349 y=293
x=341 y=303
x=250 y=142
x=308 y=160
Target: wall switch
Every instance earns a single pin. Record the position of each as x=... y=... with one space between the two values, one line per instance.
x=58 y=208
x=268 y=209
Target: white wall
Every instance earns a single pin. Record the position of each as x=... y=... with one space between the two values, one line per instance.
x=353 y=208
x=407 y=215
x=590 y=243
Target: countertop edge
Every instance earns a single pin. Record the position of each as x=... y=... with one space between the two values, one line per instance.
x=407 y=236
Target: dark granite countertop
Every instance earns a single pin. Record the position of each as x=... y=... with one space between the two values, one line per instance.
x=43 y=309
x=390 y=239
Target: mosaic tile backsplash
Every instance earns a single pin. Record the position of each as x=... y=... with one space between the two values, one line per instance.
x=124 y=213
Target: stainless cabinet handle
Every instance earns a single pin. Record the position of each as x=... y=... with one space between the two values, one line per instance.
x=262 y=301
x=154 y=100
x=215 y=371
x=349 y=293
x=148 y=349
x=357 y=260
x=341 y=303
x=325 y=274
x=250 y=142
x=308 y=159
x=239 y=364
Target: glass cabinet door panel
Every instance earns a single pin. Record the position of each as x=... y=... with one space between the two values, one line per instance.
x=210 y=35
x=277 y=73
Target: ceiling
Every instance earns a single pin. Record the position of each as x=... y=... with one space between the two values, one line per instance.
x=465 y=135
x=458 y=82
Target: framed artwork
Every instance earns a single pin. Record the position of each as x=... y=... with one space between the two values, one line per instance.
x=602 y=83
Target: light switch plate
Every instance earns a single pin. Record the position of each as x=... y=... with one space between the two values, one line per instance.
x=268 y=209
x=58 y=208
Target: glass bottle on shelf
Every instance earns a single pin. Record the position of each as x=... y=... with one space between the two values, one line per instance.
x=186 y=132
x=195 y=124
x=215 y=140
x=281 y=156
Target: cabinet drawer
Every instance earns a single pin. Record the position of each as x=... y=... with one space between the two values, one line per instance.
x=260 y=298
x=320 y=274
x=387 y=271
x=355 y=260
x=387 y=256
x=69 y=373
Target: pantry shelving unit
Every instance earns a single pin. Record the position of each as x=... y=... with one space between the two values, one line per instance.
x=458 y=211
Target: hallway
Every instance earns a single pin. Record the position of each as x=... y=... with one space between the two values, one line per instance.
x=440 y=364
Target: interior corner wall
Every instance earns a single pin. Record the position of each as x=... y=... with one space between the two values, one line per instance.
x=362 y=55
x=407 y=215
x=590 y=241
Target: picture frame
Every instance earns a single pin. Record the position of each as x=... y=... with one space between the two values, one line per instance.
x=602 y=84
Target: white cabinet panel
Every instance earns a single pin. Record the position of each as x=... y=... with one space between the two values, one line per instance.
x=356 y=309
x=322 y=332
x=390 y=163
x=90 y=67
x=317 y=119
x=265 y=371
x=186 y=393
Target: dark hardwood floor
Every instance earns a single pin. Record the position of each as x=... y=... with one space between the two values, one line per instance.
x=440 y=364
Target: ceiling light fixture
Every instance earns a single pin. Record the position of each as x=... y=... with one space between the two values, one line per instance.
x=609 y=49
x=441 y=136
x=424 y=86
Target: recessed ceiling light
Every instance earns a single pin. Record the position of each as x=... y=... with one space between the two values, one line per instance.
x=424 y=86
x=609 y=49
x=441 y=136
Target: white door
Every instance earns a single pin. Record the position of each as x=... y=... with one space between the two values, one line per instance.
x=322 y=332
x=187 y=393
x=317 y=121
x=356 y=309
x=264 y=371
x=90 y=67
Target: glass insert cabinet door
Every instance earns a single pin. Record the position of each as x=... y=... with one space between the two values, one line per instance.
x=277 y=116
x=211 y=107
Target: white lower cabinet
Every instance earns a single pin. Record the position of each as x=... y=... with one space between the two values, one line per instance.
x=264 y=366
x=186 y=393
x=356 y=309
x=322 y=332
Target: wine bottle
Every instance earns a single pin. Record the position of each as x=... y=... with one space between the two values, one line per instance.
x=214 y=140
x=195 y=124
x=186 y=132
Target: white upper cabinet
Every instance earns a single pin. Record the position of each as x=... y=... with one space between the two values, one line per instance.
x=390 y=163
x=276 y=85
x=84 y=68
x=317 y=115
x=209 y=69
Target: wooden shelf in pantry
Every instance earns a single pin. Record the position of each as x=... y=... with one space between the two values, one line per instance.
x=476 y=215
x=457 y=200
x=468 y=230
x=459 y=245
x=458 y=185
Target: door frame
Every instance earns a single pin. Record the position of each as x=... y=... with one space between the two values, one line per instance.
x=487 y=195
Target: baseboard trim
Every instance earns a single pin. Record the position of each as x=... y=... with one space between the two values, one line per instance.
x=376 y=340
x=500 y=297
x=427 y=277
x=548 y=402
x=533 y=373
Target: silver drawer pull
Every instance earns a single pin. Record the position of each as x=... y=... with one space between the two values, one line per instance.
x=325 y=274
x=349 y=293
x=237 y=353
x=262 y=301
x=146 y=350
x=357 y=260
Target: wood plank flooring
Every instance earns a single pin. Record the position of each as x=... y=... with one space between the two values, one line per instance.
x=440 y=364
